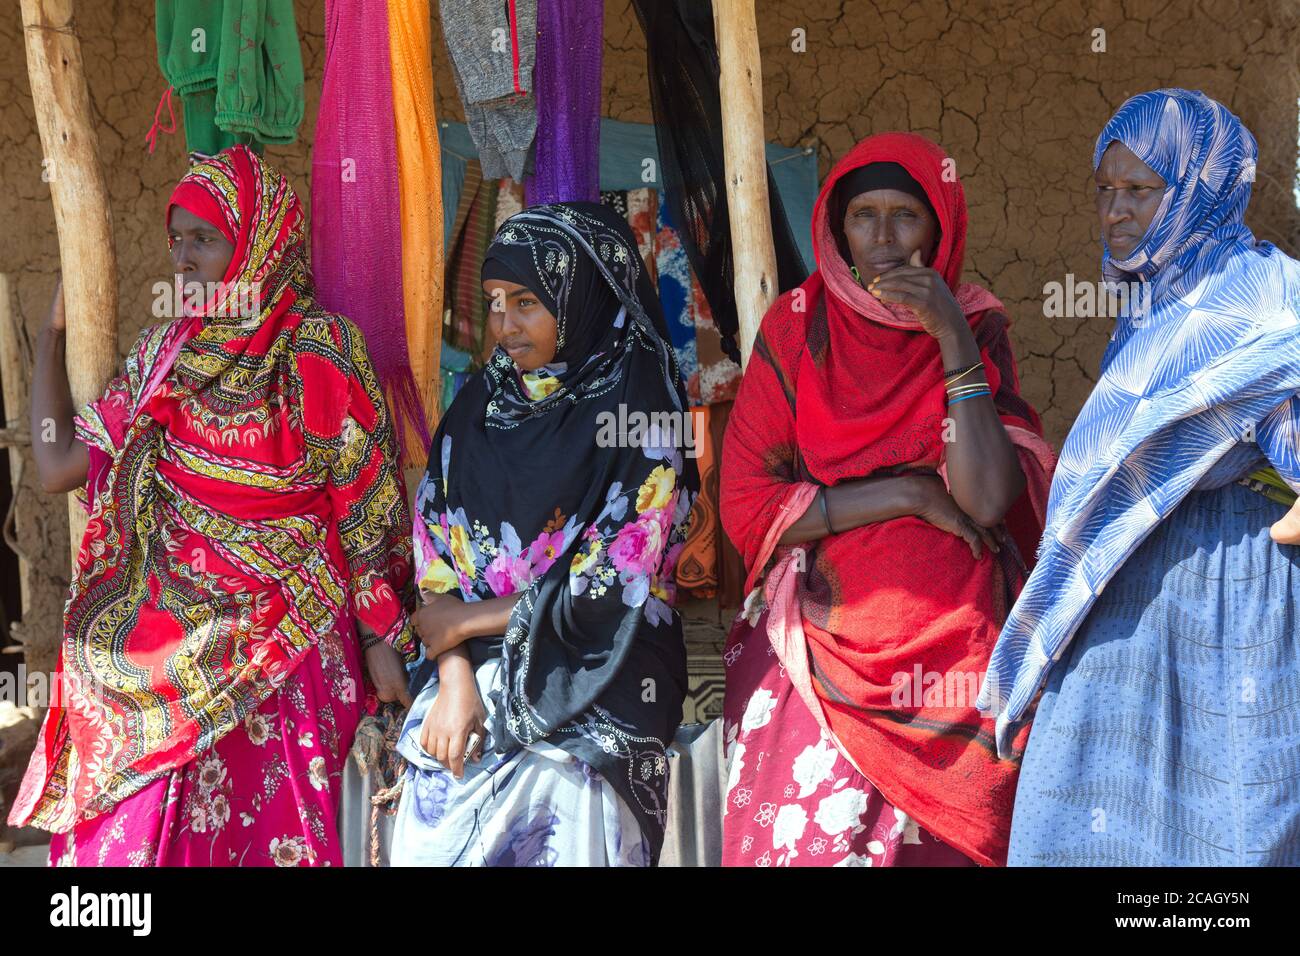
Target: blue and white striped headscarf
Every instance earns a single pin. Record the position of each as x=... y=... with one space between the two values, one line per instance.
x=1214 y=360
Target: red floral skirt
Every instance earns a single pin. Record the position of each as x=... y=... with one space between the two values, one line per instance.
x=792 y=799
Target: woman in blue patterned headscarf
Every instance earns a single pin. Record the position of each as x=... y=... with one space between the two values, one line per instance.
x=1166 y=732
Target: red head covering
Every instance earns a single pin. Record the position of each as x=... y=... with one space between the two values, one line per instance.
x=256 y=209
x=847 y=430
x=194 y=194
x=936 y=173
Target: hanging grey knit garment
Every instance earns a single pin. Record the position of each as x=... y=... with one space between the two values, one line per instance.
x=503 y=133
x=501 y=122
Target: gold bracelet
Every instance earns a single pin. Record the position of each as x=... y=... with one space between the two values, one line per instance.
x=956 y=378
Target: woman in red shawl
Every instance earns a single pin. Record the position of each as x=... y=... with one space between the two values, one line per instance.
x=246 y=538
x=883 y=479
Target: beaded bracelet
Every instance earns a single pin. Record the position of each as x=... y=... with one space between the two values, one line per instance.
x=972 y=395
x=959 y=372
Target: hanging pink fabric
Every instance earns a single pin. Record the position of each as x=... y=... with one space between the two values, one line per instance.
x=570 y=42
x=356 y=238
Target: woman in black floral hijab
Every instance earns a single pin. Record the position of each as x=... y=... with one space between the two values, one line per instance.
x=546 y=537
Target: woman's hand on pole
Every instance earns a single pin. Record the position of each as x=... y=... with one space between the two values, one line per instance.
x=58 y=318
x=62 y=461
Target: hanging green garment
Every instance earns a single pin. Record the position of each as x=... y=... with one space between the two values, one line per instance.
x=237 y=67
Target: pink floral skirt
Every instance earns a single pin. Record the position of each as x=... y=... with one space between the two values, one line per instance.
x=266 y=794
x=792 y=799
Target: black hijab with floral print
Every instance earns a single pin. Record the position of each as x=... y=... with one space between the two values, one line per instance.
x=571 y=487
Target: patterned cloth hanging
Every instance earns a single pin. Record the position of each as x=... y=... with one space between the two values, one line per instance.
x=674 y=273
x=682 y=62
x=493 y=46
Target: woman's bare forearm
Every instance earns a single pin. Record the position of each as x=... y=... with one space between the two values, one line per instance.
x=852 y=505
x=984 y=475
x=62 y=461
x=473 y=619
x=984 y=472
x=487 y=618
x=446 y=624
x=455 y=664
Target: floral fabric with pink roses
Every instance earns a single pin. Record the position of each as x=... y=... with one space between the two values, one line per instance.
x=792 y=799
x=574 y=498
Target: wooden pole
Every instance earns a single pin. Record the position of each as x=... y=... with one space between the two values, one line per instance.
x=13 y=379
x=740 y=86
x=81 y=212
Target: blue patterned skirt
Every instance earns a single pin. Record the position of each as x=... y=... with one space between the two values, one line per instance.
x=1169 y=733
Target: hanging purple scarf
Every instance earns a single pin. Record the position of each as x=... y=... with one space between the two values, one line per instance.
x=356 y=238
x=570 y=43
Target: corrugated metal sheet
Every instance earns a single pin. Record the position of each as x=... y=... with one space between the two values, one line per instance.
x=355 y=816
x=696 y=783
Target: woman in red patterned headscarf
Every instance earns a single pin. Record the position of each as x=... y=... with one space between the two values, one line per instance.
x=884 y=481
x=247 y=537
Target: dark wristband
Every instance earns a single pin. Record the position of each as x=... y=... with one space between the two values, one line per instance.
x=826 y=515
x=949 y=373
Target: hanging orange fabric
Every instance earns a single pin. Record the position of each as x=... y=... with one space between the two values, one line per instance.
x=420 y=176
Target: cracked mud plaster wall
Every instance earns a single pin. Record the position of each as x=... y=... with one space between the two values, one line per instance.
x=1014 y=93
x=1012 y=90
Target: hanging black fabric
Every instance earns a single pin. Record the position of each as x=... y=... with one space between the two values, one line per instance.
x=682 y=62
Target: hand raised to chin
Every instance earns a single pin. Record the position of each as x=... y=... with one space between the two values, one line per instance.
x=924 y=291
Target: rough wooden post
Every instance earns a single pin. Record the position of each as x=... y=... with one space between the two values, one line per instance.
x=13 y=378
x=741 y=88
x=81 y=212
